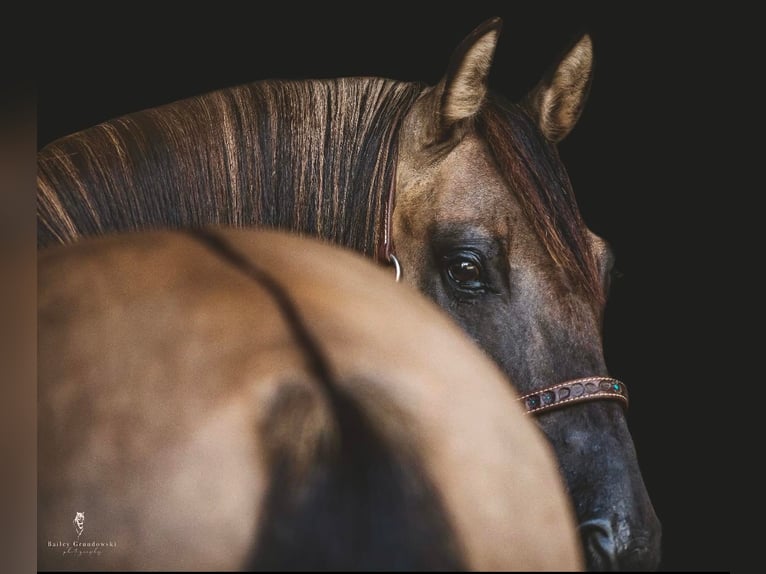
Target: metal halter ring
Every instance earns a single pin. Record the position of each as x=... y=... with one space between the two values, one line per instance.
x=397 y=266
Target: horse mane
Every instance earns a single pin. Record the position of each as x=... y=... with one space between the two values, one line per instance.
x=255 y=154
x=532 y=168
x=259 y=153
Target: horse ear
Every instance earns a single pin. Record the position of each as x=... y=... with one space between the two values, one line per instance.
x=465 y=84
x=558 y=99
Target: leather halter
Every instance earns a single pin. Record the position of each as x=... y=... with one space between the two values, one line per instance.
x=386 y=246
x=546 y=399
x=575 y=391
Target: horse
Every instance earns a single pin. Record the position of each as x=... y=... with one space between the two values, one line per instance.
x=227 y=399
x=459 y=189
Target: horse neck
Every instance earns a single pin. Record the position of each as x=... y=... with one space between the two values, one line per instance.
x=313 y=156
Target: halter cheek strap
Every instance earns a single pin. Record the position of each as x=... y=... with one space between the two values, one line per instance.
x=575 y=391
x=385 y=252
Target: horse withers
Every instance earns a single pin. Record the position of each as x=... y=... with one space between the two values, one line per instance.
x=224 y=400
x=459 y=187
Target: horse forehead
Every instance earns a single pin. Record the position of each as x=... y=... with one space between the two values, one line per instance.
x=465 y=185
x=470 y=162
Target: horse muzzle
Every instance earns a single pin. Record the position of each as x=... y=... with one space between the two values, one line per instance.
x=611 y=548
x=619 y=528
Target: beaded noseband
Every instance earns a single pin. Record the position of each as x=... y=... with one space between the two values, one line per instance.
x=575 y=391
x=547 y=399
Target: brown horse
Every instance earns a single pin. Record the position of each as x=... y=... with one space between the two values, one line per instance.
x=224 y=399
x=461 y=189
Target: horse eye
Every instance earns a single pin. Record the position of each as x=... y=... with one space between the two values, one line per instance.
x=464 y=270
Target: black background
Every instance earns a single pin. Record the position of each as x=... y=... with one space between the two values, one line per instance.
x=638 y=160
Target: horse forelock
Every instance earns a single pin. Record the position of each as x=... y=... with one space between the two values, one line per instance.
x=531 y=166
x=310 y=156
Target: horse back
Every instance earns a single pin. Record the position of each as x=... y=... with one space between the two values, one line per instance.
x=343 y=422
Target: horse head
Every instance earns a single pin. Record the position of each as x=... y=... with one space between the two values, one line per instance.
x=486 y=224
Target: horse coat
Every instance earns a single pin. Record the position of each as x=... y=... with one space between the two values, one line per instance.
x=232 y=399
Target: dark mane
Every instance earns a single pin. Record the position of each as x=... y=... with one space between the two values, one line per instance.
x=532 y=168
x=255 y=154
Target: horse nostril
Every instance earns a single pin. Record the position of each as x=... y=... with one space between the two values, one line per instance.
x=599 y=545
x=604 y=551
